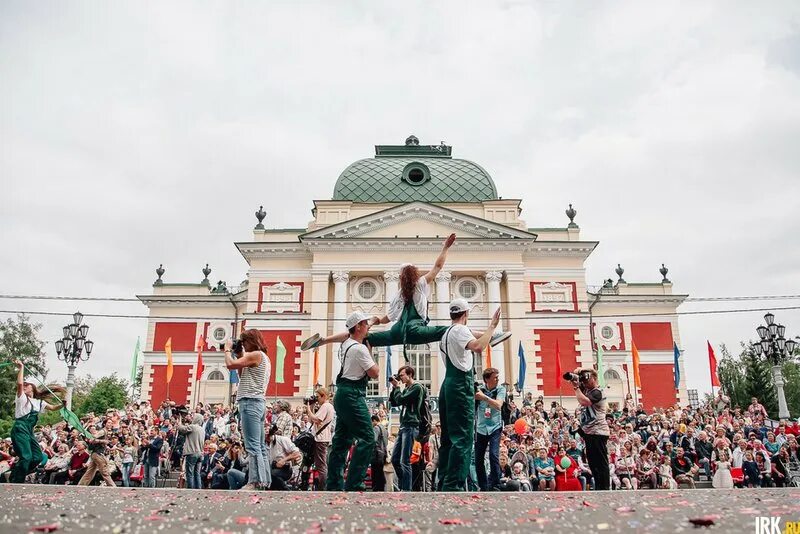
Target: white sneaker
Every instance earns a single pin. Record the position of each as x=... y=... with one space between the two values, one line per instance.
x=311 y=343
x=498 y=338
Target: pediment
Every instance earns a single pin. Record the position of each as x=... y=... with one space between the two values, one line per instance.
x=417 y=220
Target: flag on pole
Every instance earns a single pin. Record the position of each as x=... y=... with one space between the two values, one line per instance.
x=388 y=365
x=135 y=364
x=168 y=350
x=316 y=366
x=677 y=365
x=280 y=356
x=601 y=376
x=637 y=381
x=199 y=371
x=233 y=377
x=523 y=366
x=558 y=366
x=488 y=356
x=712 y=366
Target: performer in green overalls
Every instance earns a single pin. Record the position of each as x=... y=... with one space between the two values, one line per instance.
x=409 y=310
x=457 y=396
x=350 y=402
x=27 y=406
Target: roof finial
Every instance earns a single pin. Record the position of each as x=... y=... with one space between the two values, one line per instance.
x=160 y=272
x=619 y=270
x=663 y=270
x=260 y=215
x=412 y=140
x=571 y=213
x=206 y=272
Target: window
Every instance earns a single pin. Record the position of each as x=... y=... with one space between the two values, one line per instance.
x=467 y=289
x=367 y=289
x=479 y=358
x=219 y=334
x=215 y=375
x=419 y=357
x=611 y=375
x=416 y=173
x=373 y=386
x=607 y=332
x=416 y=176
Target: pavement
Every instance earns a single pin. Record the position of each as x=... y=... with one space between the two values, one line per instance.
x=38 y=508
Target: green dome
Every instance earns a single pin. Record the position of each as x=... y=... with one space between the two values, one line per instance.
x=414 y=173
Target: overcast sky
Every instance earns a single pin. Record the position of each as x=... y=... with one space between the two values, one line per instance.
x=139 y=133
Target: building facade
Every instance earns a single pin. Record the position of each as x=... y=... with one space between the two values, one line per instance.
x=397 y=207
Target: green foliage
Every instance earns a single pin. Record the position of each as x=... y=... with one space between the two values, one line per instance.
x=108 y=392
x=760 y=384
x=791 y=375
x=19 y=338
x=732 y=378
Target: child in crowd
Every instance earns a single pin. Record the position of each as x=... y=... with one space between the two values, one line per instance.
x=545 y=469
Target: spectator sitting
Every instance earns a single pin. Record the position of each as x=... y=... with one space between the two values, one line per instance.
x=752 y=476
x=682 y=468
x=282 y=452
x=520 y=475
x=545 y=471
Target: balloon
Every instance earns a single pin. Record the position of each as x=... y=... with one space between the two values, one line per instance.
x=565 y=462
x=520 y=426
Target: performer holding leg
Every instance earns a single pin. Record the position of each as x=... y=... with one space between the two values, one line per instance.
x=27 y=406
x=457 y=397
x=409 y=310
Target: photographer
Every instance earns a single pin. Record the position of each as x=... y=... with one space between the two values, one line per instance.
x=409 y=399
x=192 y=449
x=594 y=427
x=321 y=420
x=489 y=427
x=283 y=453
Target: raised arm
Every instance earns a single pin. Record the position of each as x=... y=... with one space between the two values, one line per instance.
x=482 y=342
x=20 y=376
x=430 y=276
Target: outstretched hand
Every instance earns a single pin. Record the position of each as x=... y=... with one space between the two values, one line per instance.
x=449 y=241
x=495 y=319
x=18 y=363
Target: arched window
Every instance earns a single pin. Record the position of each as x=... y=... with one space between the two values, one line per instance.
x=611 y=374
x=215 y=375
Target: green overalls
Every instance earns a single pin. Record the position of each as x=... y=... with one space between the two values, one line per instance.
x=26 y=446
x=410 y=329
x=457 y=418
x=353 y=422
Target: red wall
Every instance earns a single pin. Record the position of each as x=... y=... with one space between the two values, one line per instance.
x=178 y=388
x=291 y=365
x=658 y=385
x=182 y=334
x=652 y=336
x=569 y=359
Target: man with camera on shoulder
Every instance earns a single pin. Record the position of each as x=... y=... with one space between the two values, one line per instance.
x=321 y=419
x=409 y=399
x=594 y=427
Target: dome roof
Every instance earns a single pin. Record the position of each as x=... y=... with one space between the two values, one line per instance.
x=408 y=173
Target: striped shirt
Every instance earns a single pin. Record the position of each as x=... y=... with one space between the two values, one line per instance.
x=253 y=380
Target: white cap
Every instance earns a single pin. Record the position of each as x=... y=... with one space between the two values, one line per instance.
x=355 y=318
x=460 y=305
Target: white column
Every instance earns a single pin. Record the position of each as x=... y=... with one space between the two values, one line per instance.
x=493 y=279
x=443 y=313
x=340 y=280
x=71 y=385
x=391 y=280
x=783 y=408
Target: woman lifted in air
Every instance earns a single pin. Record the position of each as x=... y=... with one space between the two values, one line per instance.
x=409 y=310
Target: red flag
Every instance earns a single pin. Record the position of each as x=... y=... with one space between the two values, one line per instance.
x=558 y=366
x=199 y=372
x=712 y=365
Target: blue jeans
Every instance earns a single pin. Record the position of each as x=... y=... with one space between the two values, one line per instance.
x=252 y=413
x=192 y=471
x=401 y=456
x=150 y=472
x=236 y=479
x=492 y=441
x=126 y=474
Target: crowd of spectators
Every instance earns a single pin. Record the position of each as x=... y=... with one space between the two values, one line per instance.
x=664 y=448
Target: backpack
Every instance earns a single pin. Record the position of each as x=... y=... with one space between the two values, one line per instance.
x=505 y=411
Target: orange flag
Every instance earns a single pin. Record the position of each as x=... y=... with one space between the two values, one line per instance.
x=316 y=366
x=635 y=355
x=168 y=350
x=488 y=356
x=200 y=366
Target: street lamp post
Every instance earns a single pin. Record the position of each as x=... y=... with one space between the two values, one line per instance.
x=775 y=349
x=72 y=348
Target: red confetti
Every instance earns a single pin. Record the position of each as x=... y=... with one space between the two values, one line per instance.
x=660 y=509
x=452 y=521
x=625 y=509
x=47 y=528
x=533 y=511
x=335 y=517
x=246 y=520
x=153 y=518
x=587 y=503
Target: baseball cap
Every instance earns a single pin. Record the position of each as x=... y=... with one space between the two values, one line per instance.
x=460 y=305
x=355 y=318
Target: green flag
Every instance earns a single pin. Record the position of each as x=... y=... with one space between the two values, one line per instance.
x=75 y=422
x=280 y=356
x=601 y=379
x=135 y=364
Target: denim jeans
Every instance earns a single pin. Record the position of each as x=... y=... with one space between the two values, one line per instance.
x=236 y=479
x=192 y=471
x=150 y=472
x=401 y=456
x=492 y=442
x=126 y=473
x=252 y=413
x=705 y=463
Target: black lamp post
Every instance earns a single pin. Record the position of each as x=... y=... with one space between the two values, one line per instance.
x=73 y=348
x=775 y=349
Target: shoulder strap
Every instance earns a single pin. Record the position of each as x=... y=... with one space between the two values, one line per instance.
x=344 y=358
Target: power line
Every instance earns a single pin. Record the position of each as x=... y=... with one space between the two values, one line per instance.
x=268 y=317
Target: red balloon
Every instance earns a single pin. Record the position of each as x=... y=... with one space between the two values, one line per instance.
x=520 y=426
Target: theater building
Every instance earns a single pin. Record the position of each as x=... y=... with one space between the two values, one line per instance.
x=397 y=207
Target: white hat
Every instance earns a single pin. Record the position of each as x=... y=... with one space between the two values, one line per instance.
x=355 y=318
x=460 y=305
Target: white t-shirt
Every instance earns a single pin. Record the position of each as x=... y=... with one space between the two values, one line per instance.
x=325 y=414
x=421 y=292
x=23 y=405
x=358 y=359
x=454 y=344
x=281 y=448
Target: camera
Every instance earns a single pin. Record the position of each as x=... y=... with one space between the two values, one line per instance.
x=310 y=400
x=581 y=377
x=236 y=349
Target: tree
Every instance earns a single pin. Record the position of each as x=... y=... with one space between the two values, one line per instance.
x=732 y=378
x=759 y=381
x=791 y=375
x=18 y=339
x=108 y=392
x=81 y=389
